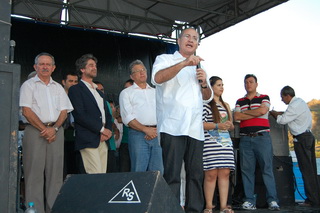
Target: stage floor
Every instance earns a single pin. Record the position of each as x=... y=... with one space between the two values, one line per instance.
x=284 y=209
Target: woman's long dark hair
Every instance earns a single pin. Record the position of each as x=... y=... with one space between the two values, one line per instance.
x=215 y=111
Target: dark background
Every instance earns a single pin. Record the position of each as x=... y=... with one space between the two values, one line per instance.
x=114 y=51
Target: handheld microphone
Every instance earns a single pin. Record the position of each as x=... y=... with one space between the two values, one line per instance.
x=199 y=66
x=12 y=45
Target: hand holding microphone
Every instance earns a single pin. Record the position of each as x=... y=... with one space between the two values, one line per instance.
x=199 y=67
x=201 y=76
x=194 y=60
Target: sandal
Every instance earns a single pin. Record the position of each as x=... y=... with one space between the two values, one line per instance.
x=207 y=211
x=227 y=211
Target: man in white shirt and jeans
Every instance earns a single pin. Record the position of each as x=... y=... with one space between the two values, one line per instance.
x=138 y=112
x=180 y=91
x=299 y=120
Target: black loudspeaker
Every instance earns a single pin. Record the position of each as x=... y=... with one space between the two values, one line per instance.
x=9 y=105
x=283 y=174
x=139 y=192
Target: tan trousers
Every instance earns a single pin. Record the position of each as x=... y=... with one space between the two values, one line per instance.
x=42 y=162
x=95 y=159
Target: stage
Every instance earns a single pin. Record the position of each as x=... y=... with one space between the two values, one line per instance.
x=284 y=209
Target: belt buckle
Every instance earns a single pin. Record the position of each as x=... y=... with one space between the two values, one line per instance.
x=50 y=124
x=252 y=134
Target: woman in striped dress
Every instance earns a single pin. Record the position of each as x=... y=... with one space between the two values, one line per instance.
x=218 y=157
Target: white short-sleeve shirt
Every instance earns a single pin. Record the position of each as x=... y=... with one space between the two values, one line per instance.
x=137 y=103
x=179 y=100
x=46 y=101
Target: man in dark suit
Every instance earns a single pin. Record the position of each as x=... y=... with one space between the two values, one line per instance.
x=91 y=116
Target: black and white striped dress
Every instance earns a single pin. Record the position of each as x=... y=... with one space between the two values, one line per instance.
x=216 y=155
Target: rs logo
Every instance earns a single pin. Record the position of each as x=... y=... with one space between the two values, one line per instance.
x=126 y=193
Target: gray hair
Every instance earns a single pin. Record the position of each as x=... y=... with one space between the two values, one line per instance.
x=134 y=63
x=36 y=60
x=182 y=32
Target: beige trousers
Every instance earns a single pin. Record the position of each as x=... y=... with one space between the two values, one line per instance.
x=43 y=168
x=95 y=159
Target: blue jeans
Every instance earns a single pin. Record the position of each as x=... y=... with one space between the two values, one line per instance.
x=145 y=155
x=252 y=150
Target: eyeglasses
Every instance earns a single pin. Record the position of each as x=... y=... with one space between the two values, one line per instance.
x=143 y=70
x=188 y=37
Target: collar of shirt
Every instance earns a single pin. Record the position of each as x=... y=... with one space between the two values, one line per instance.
x=90 y=85
x=257 y=95
x=37 y=79
x=178 y=57
x=135 y=86
x=98 y=99
x=293 y=99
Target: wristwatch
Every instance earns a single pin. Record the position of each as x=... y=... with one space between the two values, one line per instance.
x=56 y=128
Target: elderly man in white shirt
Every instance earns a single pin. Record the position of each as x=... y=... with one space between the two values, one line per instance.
x=45 y=105
x=299 y=120
x=138 y=112
x=181 y=88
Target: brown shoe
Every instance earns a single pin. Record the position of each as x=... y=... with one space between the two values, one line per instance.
x=305 y=204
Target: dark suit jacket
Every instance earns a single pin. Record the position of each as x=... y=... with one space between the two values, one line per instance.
x=87 y=116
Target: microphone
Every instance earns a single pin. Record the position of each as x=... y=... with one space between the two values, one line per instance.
x=199 y=66
x=12 y=45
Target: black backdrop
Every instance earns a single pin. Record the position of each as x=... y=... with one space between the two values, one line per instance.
x=114 y=51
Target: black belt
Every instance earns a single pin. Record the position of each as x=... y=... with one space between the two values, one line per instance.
x=151 y=126
x=51 y=124
x=252 y=134
x=307 y=131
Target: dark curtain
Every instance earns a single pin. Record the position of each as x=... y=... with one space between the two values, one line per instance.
x=114 y=51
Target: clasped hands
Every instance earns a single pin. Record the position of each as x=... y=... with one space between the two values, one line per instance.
x=49 y=133
x=105 y=135
x=226 y=125
x=151 y=133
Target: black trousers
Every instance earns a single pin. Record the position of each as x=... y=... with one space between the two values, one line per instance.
x=175 y=149
x=124 y=156
x=305 y=152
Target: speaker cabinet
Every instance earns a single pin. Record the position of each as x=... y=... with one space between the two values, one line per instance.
x=9 y=107
x=283 y=175
x=139 y=192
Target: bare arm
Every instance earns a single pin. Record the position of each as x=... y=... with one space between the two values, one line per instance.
x=49 y=133
x=222 y=126
x=263 y=109
x=230 y=121
x=62 y=117
x=205 y=88
x=253 y=113
x=275 y=113
x=32 y=118
x=240 y=116
x=151 y=132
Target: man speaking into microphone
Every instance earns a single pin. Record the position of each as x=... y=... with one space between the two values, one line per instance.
x=180 y=91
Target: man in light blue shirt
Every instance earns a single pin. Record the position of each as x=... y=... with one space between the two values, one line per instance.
x=299 y=120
